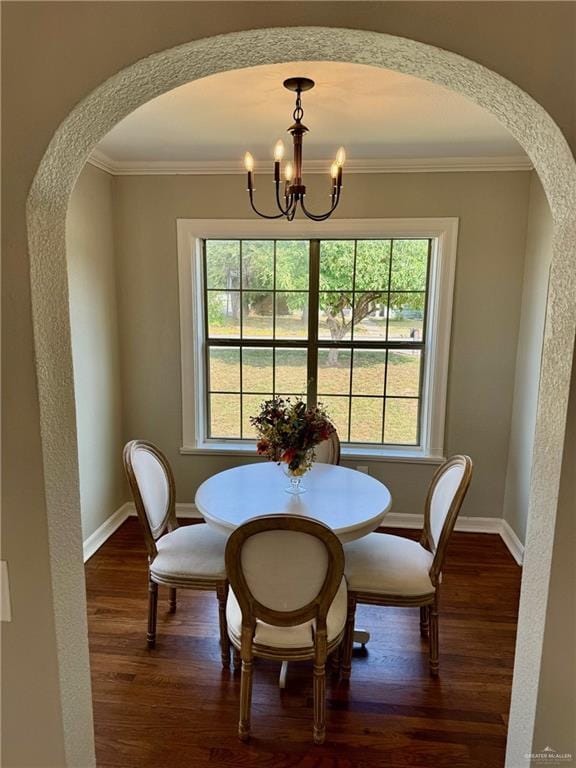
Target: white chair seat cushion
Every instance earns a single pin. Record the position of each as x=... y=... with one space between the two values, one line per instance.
x=388 y=565
x=190 y=552
x=300 y=636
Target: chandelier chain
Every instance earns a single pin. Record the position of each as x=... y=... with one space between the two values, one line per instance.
x=298 y=113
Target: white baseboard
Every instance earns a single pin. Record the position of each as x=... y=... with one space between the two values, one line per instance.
x=185 y=510
x=512 y=541
x=399 y=520
x=188 y=511
x=93 y=543
x=392 y=520
x=470 y=524
x=465 y=524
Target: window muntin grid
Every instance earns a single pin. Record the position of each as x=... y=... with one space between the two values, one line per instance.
x=398 y=357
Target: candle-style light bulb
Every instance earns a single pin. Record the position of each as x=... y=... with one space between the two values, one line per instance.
x=334 y=170
x=341 y=157
x=248 y=162
x=288 y=172
x=279 y=150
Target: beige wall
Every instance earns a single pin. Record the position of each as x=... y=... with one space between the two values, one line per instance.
x=53 y=54
x=492 y=210
x=556 y=713
x=534 y=294
x=95 y=347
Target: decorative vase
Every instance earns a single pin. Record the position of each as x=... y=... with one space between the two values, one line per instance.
x=296 y=469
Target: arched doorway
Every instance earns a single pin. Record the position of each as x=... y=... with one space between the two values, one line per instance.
x=47 y=205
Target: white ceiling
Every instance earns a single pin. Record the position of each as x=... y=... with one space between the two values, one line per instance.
x=374 y=113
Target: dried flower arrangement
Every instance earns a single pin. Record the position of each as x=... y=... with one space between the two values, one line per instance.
x=288 y=432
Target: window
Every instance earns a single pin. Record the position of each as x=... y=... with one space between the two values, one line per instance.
x=350 y=316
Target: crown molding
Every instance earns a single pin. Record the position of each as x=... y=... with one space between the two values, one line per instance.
x=103 y=162
x=382 y=165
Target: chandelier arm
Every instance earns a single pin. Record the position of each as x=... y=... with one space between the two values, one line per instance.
x=292 y=206
x=289 y=201
x=321 y=216
x=263 y=215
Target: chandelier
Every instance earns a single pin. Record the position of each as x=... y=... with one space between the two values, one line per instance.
x=294 y=190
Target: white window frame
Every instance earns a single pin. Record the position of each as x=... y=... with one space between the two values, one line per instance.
x=444 y=234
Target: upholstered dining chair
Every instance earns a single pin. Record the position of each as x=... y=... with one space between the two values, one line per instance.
x=287 y=600
x=328 y=451
x=190 y=556
x=394 y=571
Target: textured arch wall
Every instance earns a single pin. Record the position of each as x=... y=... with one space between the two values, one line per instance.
x=46 y=214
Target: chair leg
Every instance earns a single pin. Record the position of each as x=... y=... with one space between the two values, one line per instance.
x=172 y=600
x=348 y=641
x=245 y=700
x=434 y=650
x=319 y=703
x=424 y=620
x=236 y=660
x=336 y=659
x=152 y=610
x=222 y=594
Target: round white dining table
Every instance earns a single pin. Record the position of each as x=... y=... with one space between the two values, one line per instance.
x=351 y=503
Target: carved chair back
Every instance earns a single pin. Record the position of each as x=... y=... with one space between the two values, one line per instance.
x=153 y=490
x=284 y=571
x=443 y=502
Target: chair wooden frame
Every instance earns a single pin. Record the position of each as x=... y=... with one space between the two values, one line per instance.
x=317 y=609
x=152 y=534
x=428 y=603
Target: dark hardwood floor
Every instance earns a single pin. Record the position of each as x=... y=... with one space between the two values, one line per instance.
x=174 y=706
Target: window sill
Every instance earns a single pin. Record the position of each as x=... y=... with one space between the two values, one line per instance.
x=388 y=456
x=349 y=453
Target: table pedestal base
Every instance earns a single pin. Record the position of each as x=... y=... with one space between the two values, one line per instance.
x=361 y=636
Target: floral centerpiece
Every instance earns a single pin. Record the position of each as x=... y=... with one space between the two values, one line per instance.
x=288 y=432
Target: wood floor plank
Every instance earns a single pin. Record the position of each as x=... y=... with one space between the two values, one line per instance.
x=174 y=706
